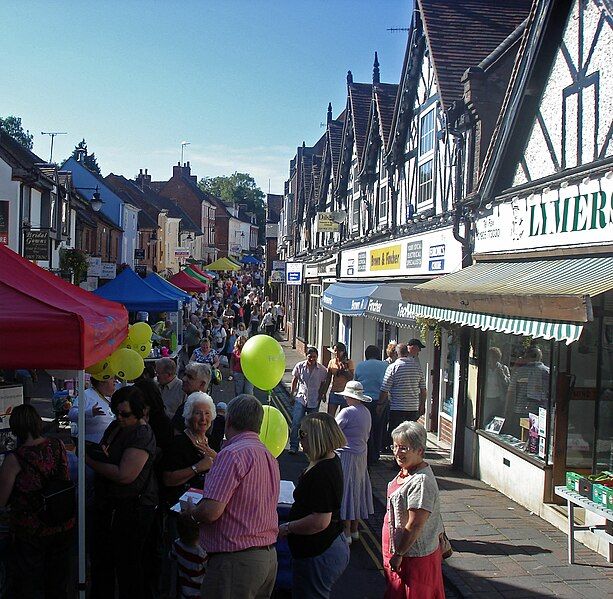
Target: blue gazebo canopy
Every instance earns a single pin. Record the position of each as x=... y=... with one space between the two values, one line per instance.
x=136 y=294
x=251 y=260
x=164 y=286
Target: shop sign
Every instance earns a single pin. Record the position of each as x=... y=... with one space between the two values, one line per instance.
x=94 y=268
x=182 y=252
x=4 y=222
x=141 y=270
x=36 y=245
x=278 y=265
x=277 y=276
x=293 y=273
x=310 y=271
x=385 y=258
x=579 y=214
x=327 y=268
x=326 y=224
x=436 y=252
x=139 y=254
x=108 y=270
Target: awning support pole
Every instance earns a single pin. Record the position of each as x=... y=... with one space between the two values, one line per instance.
x=81 y=482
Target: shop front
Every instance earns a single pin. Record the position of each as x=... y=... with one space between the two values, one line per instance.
x=538 y=306
x=395 y=267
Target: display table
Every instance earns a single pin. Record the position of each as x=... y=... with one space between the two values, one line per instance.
x=173 y=355
x=574 y=500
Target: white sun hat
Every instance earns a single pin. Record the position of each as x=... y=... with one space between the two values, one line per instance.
x=354 y=389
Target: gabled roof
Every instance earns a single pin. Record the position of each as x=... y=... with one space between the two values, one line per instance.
x=359 y=98
x=461 y=33
x=541 y=38
x=385 y=98
x=128 y=192
x=21 y=158
x=335 y=140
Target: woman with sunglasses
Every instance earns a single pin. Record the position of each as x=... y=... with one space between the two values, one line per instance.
x=125 y=498
x=412 y=524
x=314 y=529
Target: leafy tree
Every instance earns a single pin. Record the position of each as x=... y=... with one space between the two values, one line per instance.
x=88 y=160
x=238 y=188
x=11 y=125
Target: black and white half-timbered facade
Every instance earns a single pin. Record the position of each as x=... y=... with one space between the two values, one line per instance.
x=537 y=301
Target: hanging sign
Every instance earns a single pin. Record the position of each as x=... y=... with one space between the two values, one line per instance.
x=94 y=268
x=293 y=273
x=36 y=245
x=108 y=270
x=139 y=254
x=326 y=224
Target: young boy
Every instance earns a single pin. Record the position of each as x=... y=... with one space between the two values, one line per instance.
x=190 y=558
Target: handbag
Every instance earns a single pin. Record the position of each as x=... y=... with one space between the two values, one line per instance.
x=445 y=545
x=59 y=502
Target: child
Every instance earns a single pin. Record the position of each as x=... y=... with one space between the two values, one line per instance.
x=190 y=558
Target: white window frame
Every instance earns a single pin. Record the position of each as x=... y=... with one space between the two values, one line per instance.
x=383 y=203
x=425 y=189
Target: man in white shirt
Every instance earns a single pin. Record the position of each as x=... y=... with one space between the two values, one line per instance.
x=170 y=385
x=308 y=377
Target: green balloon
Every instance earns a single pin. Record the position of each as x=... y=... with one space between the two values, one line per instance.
x=126 y=364
x=274 y=431
x=263 y=362
x=140 y=332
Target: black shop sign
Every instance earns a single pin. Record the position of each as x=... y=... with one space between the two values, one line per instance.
x=36 y=245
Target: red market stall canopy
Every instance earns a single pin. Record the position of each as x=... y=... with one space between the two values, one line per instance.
x=46 y=322
x=201 y=272
x=187 y=283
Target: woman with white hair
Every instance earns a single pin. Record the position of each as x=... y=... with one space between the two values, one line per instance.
x=412 y=524
x=189 y=457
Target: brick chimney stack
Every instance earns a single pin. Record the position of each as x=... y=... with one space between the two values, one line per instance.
x=143 y=179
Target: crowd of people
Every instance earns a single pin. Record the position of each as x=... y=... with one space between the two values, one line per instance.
x=150 y=442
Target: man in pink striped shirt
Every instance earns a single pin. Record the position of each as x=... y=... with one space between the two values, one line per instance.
x=238 y=514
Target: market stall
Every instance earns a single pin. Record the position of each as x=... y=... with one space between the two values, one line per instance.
x=187 y=283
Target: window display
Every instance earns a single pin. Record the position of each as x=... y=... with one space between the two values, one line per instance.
x=516 y=392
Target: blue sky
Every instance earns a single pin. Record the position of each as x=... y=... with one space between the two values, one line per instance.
x=244 y=82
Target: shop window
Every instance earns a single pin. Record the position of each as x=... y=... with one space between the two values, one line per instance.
x=302 y=315
x=314 y=299
x=515 y=401
x=448 y=384
x=604 y=443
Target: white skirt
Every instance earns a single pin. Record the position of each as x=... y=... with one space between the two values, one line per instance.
x=357 y=490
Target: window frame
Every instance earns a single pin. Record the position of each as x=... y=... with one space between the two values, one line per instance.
x=425 y=159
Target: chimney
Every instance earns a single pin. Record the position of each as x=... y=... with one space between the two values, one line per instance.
x=329 y=117
x=349 y=77
x=143 y=179
x=177 y=170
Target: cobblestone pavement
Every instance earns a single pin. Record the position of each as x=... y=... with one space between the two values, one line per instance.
x=500 y=548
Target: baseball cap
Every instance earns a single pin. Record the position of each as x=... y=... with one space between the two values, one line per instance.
x=416 y=342
x=222 y=405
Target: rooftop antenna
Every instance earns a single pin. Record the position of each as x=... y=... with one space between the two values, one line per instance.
x=395 y=29
x=183 y=144
x=52 y=134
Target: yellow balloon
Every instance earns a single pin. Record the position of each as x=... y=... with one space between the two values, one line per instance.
x=274 y=431
x=263 y=362
x=98 y=366
x=127 y=343
x=143 y=350
x=126 y=364
x=104 y=373
x=140 y=332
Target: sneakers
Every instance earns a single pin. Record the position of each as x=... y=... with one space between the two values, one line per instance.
x=355 y=536
x=348 y=539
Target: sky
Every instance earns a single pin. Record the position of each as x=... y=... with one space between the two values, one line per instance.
x=243 y=81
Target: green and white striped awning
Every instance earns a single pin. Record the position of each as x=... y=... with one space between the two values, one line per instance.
x=560 y=331
x=543 y=298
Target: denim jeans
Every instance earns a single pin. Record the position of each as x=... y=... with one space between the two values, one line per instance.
x=241 y=384
x=297 y=415
x=314 y=577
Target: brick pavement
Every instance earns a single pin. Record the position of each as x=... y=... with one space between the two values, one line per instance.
x=501 y=550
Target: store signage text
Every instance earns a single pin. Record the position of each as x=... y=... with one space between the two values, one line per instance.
x=374 y=306
x=385 y=258
x=574 y=215
x=405 y=312
x=414 y=253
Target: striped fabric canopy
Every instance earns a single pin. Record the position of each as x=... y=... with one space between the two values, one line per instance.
x=560 y=331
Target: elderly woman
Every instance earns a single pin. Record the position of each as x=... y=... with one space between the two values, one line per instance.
x=40 y=552
x=314 y=531
x=205 y=354
x=126 y=497
x=355 y=422
x=189 y=456
x=412 y=524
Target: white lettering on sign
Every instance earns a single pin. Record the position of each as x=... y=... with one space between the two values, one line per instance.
x=374 y=306
x=437 y=251
x=326 y=299
x=405 y=312
x=357 y=304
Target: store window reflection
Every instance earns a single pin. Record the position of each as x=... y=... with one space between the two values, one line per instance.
x=450 y=348
x=516 y=404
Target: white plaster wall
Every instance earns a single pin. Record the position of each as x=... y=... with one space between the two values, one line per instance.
x=9 y=190
x=536 y=154
x=521 y=481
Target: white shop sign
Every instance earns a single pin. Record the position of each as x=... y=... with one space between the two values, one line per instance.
x=293 y=273
x=109 y=270
x=94 y=266
x=433 y=253
x=579 y=214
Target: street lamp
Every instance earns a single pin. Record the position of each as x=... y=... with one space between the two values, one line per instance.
x=96 y=201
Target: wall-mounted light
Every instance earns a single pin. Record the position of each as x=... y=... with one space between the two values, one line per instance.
x=96 y=201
